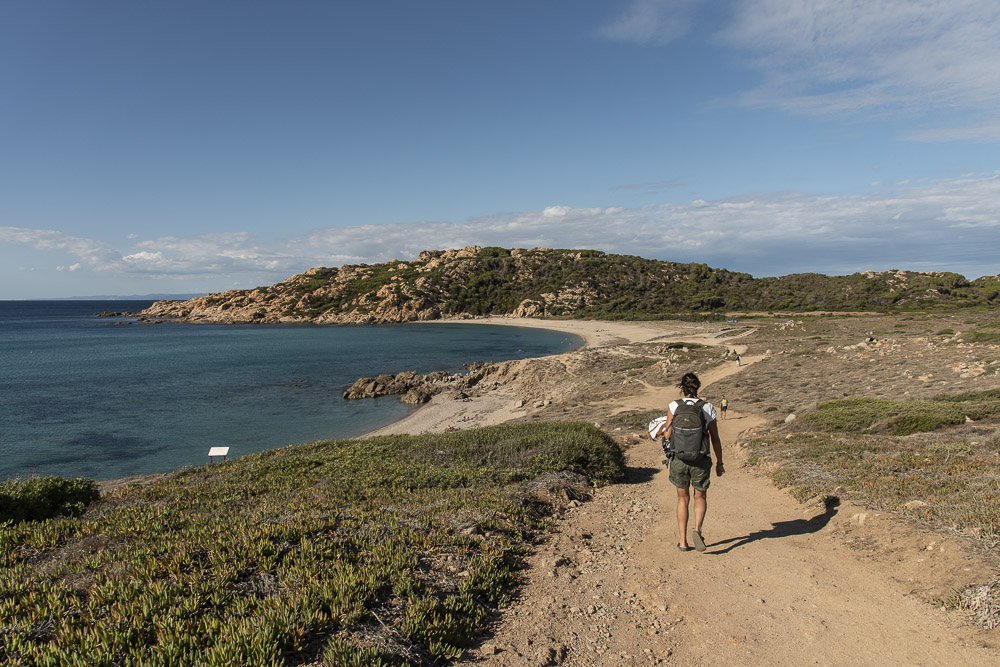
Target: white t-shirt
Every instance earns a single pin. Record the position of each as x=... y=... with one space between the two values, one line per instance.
x=654 y=426
x=707 y=408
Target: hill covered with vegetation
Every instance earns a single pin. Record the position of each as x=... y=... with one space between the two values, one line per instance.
x=544 y=282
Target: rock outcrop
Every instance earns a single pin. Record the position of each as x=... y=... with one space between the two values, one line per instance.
x=415 y=388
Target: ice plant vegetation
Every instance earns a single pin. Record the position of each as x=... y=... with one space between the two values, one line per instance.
x=383 y=551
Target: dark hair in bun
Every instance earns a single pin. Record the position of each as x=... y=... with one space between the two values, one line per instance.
x=690 y=384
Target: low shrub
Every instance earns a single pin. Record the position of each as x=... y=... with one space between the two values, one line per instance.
x=902 y=417
x=41 y=498
x=983 y=335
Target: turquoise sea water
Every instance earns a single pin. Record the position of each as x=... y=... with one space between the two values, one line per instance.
x=82 y=396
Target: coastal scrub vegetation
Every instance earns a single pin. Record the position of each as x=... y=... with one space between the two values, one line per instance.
x=903 y=417
x=390 y=550
x=44 y=497
x=544 y=282
x=924 y=458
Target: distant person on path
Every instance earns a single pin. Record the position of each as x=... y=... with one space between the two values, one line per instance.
x=739 y=358
x=690 y=469
x=724 y=405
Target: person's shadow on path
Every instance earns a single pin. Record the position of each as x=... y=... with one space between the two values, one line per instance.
x=783 y=529
x=639 y=475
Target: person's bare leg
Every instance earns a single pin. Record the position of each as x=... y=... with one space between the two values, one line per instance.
x=683 y=498
x=700 y=507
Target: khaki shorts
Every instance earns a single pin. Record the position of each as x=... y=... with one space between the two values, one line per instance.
x=697 y=475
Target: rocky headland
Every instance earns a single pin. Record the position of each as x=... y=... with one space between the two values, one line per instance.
x=541 y=282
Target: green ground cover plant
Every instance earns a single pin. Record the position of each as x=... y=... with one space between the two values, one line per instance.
x=902 y=417
x=392 y=550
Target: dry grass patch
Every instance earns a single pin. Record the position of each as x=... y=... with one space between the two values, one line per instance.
x=948 y=482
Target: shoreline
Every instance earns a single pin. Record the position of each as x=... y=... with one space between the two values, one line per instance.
x=503 y=404
x=443 y=413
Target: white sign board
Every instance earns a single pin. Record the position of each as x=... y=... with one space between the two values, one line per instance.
x=218 y=451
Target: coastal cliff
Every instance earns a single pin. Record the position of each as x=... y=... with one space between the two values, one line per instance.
x=541 y=282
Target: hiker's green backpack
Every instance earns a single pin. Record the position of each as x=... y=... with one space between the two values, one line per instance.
x=689 y=438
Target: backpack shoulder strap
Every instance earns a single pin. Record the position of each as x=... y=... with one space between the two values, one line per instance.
x=700 y=405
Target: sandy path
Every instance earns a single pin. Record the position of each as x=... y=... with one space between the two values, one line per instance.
x=503 y=405
x=776 y=587
x=778 y=584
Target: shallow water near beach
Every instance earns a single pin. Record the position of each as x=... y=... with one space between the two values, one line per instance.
x=84 y=396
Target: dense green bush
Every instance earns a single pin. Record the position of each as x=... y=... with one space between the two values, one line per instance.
x=45 y=497
x=859 y=415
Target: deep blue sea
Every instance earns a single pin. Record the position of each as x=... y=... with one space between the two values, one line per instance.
x=82 y=396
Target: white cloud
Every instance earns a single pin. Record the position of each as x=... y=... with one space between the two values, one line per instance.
x=95 y=254
x=646 y=21
x=971 y=130
x=203 y=255
x=145 y=261
x=208 y=254
x=949 y=225
x=833 y=57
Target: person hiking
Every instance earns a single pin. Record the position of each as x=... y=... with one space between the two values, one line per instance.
x=691 y=469
x=724 y=405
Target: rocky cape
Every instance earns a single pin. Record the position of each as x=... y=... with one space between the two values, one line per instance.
x=415 y=388
x=541 y=282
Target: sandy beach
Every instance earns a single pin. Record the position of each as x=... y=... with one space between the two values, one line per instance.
x=504 y=404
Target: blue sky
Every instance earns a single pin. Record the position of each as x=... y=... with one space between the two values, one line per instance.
x=189 y=147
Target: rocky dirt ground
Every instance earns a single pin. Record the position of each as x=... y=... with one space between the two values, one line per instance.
x=781 y=582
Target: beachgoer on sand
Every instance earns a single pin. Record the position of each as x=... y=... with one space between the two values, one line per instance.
x=688 y=428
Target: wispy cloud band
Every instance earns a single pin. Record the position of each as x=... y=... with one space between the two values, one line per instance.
x=946 y=225
x=840 y=59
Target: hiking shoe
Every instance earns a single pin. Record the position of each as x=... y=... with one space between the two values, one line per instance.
x=699 y=541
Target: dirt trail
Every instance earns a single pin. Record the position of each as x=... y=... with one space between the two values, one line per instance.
x=779 y=583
